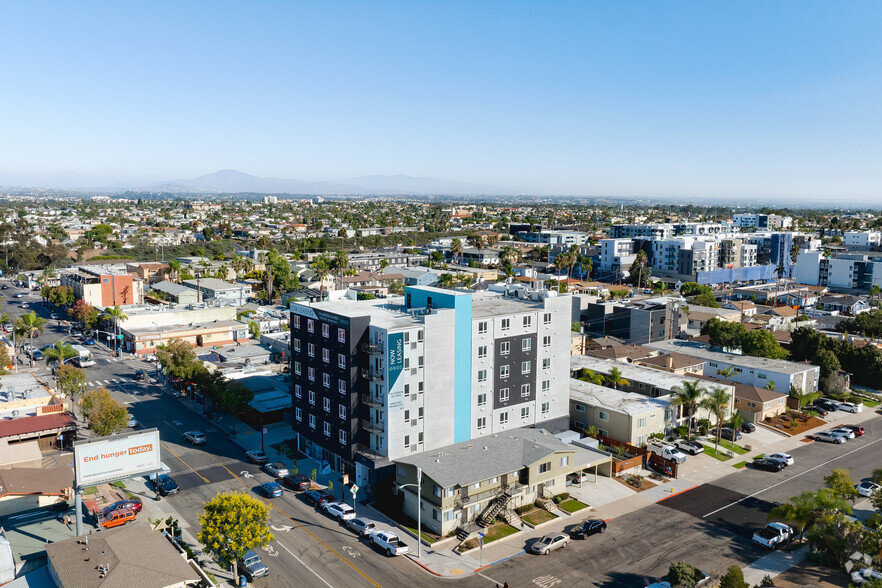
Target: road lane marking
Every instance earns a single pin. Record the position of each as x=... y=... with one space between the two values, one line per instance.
x=303 y=563
x=204 y=479
x=841 y=455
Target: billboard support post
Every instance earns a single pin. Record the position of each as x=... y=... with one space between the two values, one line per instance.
x=78 y=506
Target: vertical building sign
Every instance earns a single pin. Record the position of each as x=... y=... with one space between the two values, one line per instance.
x=395 y=361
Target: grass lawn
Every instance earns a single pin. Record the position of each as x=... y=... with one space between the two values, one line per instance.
x=732 y=447
x=118 y=485
x=709 y=450
x=571 y=505
x=428 y=538
x=498 y=531
x=538 y=516
x=870 y=403
x=90 y=490
x=760 y=456
x=740 y=464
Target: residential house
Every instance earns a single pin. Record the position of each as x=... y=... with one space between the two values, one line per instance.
x=755 y=404
x=624 y=416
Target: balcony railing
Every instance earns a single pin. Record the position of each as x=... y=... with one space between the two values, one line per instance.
x=371 y=401
x=373 y=375
x=372 y=348
x=375 y=428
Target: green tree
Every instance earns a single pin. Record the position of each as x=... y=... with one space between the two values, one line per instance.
x=71 y=381
x=321 y=265
x=716 y=401
x=231 y=523
x=704 y=299
x=59 y=352
x=733 y=578
x=118 y=315
x=682 y=575
x=254 y=329
x=61 y=296
x=179 y=360
x=725 y=334
x=640 y=270
x=84 y=312
x=694 y=289
x=5 y=360
x=841 y=484
x=29 y=325
x=616 y=379
x=688 y=395
x=456 y=250
x=727 y=373
x=762 y=343
x=828 y=362
x=591 y=377
x=235 y=397
x=446 y=280
x=736 y=421
x=105 y=415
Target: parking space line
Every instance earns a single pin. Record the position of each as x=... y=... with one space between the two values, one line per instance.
x=303 y=563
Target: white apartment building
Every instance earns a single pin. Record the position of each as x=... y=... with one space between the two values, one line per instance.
x=862 y=239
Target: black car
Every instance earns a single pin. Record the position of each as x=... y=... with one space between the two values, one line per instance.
x=297 y=481
x=827 y=404
x=818 y=409
x=748 y=427
x=164 y=484
x=317 y=497
x=138 y=375
x=768 y=465
x=730 y=434
x=588 y=528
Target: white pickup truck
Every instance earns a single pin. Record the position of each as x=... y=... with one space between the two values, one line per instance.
x=668 y=452
x=389 y=543
x=773 y=535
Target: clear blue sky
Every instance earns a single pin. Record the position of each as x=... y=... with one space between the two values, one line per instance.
x=769 y=98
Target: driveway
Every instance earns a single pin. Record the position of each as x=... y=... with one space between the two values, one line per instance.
x=762 y=438
x=604 y=491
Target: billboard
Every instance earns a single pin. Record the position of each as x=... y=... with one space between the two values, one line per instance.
x=107 y=459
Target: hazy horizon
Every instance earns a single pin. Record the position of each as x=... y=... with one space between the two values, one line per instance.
x=698 y=100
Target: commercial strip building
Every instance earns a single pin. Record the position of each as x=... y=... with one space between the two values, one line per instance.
x=214 y=289
x=201 y=325
x=377 y=380
x=468 y=484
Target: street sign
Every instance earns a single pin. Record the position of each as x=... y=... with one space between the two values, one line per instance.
x=354 y=489
x=345 y=478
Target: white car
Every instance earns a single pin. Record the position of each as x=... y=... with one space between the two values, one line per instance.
x=133 y=422
x=195 y=437
x=847 y=433
x=338 y=510
x=850 y=407
x=865 y=575
x=54 y=315
x=578 y=478
x=828 y=437
x=784 y=458
x=362 y=526
x=866 y=488
x=276 y=469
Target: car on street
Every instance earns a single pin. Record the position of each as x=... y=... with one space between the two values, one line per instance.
x=587 y=528
x=18 y=295
x=25 y=305
x=133 y=504
x=730 y=434
x=164 y=484
x=132 y=422
x=865 y=575
x=844 y=431
x=690 y=447
x=195 y=437
x=549 y=542
x=8 y=327
x=89 y=341
x=827 y=437
x=827 y=404
x=4 y=287
x=784 y=458
x=767 y=465
x=252 y=567
x=276 y=469
x=54 y=316
x=256 y=456
x=338 y=510
x=866 y=488
x=271 y=489
x=299 y=482
x=317 y=497
x=850 y=407
x=773 y=535
x=388 y=542
x=138 y=375
x=748 y=427
x=361 y=526
x=38 y=355
x=856 y=429
x=118 y=518
x=667 y=451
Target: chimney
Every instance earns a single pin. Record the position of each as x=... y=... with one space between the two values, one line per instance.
x=669 y=361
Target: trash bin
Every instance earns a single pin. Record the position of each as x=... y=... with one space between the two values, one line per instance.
x=243 y=582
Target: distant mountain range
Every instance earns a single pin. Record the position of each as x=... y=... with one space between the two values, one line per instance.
x=235 y=182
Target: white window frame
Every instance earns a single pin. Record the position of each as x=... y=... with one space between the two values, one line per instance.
x=504 y=371
x=503 y=395
x=526 y=344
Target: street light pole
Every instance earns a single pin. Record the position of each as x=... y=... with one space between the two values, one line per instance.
x=419 y=493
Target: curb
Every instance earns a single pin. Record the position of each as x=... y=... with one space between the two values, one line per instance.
x=484 y=567
x=424 y=567
x=677 y=493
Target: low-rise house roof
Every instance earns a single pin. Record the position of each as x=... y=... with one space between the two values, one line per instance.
x=754 y=394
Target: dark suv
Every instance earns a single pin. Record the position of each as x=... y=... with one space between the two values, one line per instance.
x=317 y=497
x=827 y=404
x=730 y=434
x=297 y=482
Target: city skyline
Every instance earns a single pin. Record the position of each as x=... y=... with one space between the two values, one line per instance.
x=696 y=100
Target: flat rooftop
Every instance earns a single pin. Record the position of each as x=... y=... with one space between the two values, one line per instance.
x=700 y=350
x=617 y=401
x=654 y=377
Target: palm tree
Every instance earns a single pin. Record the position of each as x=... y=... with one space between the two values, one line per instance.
x=688 y=396
x=780 y=272
x=321 y=265
x=174 y=269
x=456 y=249
x=591 y=377
x=29 y=325
x=615 y=378
x=770 y=385
x=118 y=315
x=736 y=421
x=59 y=352
x=727 y=373
x=716 y=401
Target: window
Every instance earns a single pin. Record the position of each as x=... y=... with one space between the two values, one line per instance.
x=641 y=422
x=326 y=355
x=448 y=516
x=310 y=325
x=525 y=390
x=341 y=361
x=494 y=480
x=546 y=385
x=505 y=324
x=406 y=363
x=525 y=412
x=565 y=461
x=528 y=321
x=436 y=516
x=296 y=343
x=312 y=421
x=311 y=397
x=326 y=330
x=641 y=439
x=580 y=425
x=326 y=404
x=420 y=336
x=525 y=367
x=544 y=467
x=546 y=363
x=326 y=380
x=342 y=437
x=420 y=387
x=526 y=344
x=448 y=492
x=503 y=371
x=341 y=335
x=482 y=399
x=546 y=341
x=503 y=395
x=296 y=321
x=580 y=408
x=310 y=373
x=546 y=318
x=310 y=349
x=436 y=490
x=419 y=438
x=326 y=428
x=602 y=415
x=482 y=351
x=482 y=423
x=407 y=440
x=420 y=361
x=482 y=375
x=297 y=367
x=504 y=347
x=482 y=327
x=341 y=412
x=298 y=391
x=406 y=415
x=546 y=407
x=503 y=418
x=475 y=486
x=298 y=414
x=762 y=376
x=341 y=386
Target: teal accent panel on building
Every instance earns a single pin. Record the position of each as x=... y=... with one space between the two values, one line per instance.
x=395 y=359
